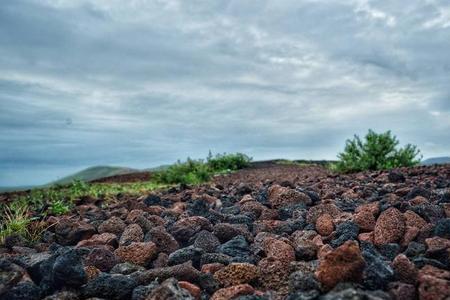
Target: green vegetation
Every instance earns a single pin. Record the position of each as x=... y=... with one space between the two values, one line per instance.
x=197 y=171
x=376 y=152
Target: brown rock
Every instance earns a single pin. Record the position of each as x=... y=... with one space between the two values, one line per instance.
x=191 y=288
x=404 y=269
x=104 y=239
x=233 y=292
x=161 y=261
x=102 y=259
x=212 y=268
x=320 y=209
x=365 y=220
x=345 y=263
x=324 y=225
x=436 y=244
x=113 y=225
x=279 y=196
x=366 y=237
x=279 y=250
x=409 y=236
x=137 y=253
x=70 y=232
x=163 y=240
x=434 y=283
x=414 y=220
x=273 y=274
x=390 y=227
x=373 y=208
x=91 y=272
x=236 y=273
x=132 y=233
x=402 y=291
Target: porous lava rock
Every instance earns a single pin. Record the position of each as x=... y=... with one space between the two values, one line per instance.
x=390 y=227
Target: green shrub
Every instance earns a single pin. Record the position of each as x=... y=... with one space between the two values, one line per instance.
x=224 y=162
x=198 y=171
x=376 y=152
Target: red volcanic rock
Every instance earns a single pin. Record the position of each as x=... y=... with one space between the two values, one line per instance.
x=414 y=220
x=390 y=227
x=320 y=209
x=253 y=207
x=212 y=268
x=236 y=273
x=281 y=196
x=366 y=237
x=324 y=225
x=163 y=240
x=345 y=263
x=409 y=236
x=132 y=233
x=233 y=292
x=112 y=225
x=373 y=208
x=191 y=288
x=404 y=269
x=279 y=250
x=365 y=220
x=436 y=244
x=104 y=239
x=434 y=283
x=137 y=253
x=273 y=274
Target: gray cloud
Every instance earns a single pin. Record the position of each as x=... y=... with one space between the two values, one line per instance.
x=140 y=83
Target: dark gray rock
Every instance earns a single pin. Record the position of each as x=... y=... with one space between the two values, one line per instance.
x=442 y=228
x=238 y=249
x=110 y=286
x=207 y=241
x=344 y=232
x=23 y=291
x=186 y=254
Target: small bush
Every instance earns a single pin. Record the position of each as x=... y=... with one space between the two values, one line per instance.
x=231 y=162
x=15 y=219
x=198 y=171
x=376 y=152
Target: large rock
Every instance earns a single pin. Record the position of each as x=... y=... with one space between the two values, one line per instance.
x=345 y=263
x=236 y=273
x=434 y=283
x=390 y=227
x=282 y=196
x=137 y=253
x=115 y=287
x=112 y=225
x=70 y=232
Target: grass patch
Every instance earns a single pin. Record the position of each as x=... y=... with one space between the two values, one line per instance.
x=198 y=171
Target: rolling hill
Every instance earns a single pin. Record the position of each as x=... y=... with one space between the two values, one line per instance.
x=94 y=173
x=436 y=160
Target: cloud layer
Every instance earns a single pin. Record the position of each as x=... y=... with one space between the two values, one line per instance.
x=141 y=83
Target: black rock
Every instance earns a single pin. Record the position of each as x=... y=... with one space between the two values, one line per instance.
x=231 y=210
x=355 y=294
x=396 y=176
x=286 y=212
x=115 y=286
x=198 y=207
x=207 y=241
x=238 y=249
x=23 y=291
x=378 y=273
x=126 y=268
x=442 y=228
x=68 y=269
x=414 y=249
x=152 y=200
x=141 y=292
x=418 y=191
x=430 y=212
x=303 y=281
x=344 y=232
x=421 y=261
x=389 y=251
x=186 y=254
x=208 y=283
x=209 y=258
x=303 y=295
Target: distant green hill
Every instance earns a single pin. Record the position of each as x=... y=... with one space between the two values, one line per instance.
x=436 y=160
x=94 y=173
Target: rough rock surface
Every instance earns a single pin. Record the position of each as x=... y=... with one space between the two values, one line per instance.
x=267 y=232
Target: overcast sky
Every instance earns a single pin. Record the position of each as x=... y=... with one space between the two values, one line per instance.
x=142 y=83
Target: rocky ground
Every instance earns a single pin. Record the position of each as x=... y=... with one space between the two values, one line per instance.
x=268 y=232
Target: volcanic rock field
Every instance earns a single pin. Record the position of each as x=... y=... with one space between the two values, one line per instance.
x=266 y=232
